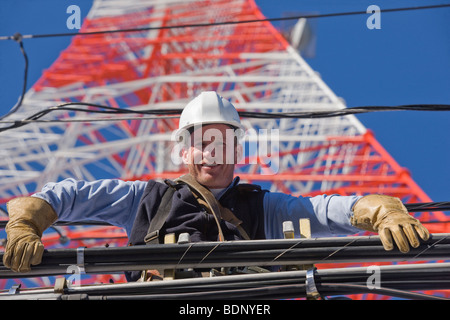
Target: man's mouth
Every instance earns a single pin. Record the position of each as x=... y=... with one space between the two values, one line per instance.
x=210 y=165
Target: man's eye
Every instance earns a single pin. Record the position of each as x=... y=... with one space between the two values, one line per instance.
x=209 y=144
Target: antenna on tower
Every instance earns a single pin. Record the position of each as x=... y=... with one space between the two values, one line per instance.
x=301 y=33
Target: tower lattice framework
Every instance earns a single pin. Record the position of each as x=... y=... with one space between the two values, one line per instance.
x=161 y=67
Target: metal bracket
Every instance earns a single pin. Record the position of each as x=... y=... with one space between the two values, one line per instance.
x=60 y=285
x=311 y=290
x=15 y=289
x=184 y=238
x=80 y=259
x=169 y=274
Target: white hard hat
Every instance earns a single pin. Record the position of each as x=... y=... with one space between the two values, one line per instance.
x=208 y=108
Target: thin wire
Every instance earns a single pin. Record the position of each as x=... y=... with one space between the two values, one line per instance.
x=428 y=248
x=187 y=249
x=340 y=249
x=214 y=248
x=198 y=25
x=102 y=109
x=18 y=38
x=344 y=112
x=288 y=249
x=89 y=120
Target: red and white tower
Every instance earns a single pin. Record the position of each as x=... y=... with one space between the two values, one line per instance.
x=251 y=64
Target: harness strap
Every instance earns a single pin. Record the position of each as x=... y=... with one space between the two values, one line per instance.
x=160 y=218
x=204 y=196
x=217 y=210
x=231 y=218
x=207 y=196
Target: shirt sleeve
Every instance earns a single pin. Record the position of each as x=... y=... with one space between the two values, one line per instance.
x=328 y=215
x=111 y=200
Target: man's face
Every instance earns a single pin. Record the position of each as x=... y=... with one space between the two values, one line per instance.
x=212 y=155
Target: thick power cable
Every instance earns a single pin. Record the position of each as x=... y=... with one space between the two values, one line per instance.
x=397 y=280
x=428 y=206
x=234 y=254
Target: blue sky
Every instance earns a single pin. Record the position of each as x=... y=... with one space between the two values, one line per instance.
x=407 y=61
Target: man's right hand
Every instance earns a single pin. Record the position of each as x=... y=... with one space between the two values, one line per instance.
x=29 y=217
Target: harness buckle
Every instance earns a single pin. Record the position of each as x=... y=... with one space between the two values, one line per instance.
x=151 y=236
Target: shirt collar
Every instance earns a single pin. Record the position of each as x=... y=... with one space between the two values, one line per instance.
x=231 y=185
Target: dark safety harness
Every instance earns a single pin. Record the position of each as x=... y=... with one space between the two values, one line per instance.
x=204 y=197
x=183 y=205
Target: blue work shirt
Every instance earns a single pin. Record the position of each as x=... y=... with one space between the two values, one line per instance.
x=117 y=201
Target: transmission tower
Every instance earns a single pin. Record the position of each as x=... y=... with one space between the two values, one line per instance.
x=161 y=67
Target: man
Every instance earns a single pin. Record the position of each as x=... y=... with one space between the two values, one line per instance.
x=210 y=153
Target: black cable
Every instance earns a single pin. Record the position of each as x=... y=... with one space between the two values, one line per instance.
x=246 y=114
x=349 y=288
x=274 y=285
x=321 y=114
x=343 y=112
x=102 y=109
x=234 y=254
x=198 y=25
x=18 y=38
x=279 y=285
x=397 y=280
x=428 y=206
x=275 y=292
x=265 y=292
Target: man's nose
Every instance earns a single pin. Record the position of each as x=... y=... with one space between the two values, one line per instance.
x=213 y=152
x=209 y=151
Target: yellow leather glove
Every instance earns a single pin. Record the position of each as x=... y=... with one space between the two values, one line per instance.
x=29 y=217
x=389 y=217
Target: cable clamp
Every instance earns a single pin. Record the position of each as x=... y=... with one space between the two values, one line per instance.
x=80 y=259
x=151 y=236
x=17 y=37
x=311 y=290
x=15 y=289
